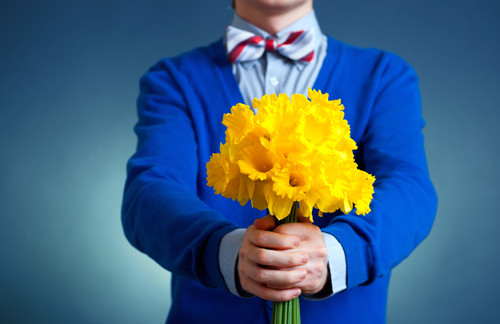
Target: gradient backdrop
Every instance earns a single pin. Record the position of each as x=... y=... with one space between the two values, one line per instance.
x=69 y=75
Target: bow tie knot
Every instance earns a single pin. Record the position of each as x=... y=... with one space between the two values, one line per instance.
x=244 y=46
x=270 y=44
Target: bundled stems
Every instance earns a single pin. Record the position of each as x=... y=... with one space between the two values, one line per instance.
x=287 y=312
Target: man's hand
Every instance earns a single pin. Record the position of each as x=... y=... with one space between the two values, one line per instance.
x=282 y=264
x=313 y=243
x=269 y=266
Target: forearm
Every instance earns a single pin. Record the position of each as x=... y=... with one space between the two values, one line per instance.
x=177 y=230
x=404 y=201
x=162 y=213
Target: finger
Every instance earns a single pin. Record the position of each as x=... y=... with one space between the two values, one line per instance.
x=303 y=219
x=276 y=278
x=278 y=259
x=305 y=231
x=273 y=240
x=284 y=287
x=271 y=294
x=266 y=223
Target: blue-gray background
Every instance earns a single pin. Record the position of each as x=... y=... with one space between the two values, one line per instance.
x=68 y=82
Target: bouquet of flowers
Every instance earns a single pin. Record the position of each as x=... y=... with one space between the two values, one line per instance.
x=292 y=154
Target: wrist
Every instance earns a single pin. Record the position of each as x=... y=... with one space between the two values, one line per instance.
x=325 y=291
x=239 y=289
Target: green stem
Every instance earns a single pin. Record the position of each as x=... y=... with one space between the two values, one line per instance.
x=287 y=312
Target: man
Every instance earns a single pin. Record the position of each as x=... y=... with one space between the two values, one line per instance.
x=217 y=254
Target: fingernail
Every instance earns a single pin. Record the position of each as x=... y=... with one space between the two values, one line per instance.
x=303 y=258
x=296 y=242
x=303 y=275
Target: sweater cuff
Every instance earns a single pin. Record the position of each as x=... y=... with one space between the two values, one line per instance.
x=228 y=256
x=357 y=253
x=211 y=255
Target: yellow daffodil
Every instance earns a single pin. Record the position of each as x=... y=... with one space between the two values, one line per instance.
x=276 y=114
x=257 y=162
x=362 y=191
x=292 y=182
x=293 y=150
x=239 y=123
x=223 y=175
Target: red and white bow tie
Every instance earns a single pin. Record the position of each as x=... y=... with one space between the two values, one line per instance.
x=244 y=46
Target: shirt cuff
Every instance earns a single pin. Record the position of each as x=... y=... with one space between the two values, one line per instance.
x=337 y=263
x=337 y=269
x=228 y=256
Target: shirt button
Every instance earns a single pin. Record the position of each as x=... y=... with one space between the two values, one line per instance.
x=274 y=81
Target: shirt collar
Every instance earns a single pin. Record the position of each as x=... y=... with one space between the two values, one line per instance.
x=307 y=22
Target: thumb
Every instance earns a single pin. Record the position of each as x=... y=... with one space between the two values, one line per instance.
x=266 y=223
x=302 y=219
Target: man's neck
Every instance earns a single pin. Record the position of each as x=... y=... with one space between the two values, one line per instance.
x=272 y=19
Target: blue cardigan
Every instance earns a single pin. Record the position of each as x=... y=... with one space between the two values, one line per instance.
x=170 y=213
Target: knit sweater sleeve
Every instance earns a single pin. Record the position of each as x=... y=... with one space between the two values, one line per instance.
x=162 y=214
x=404 y=203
